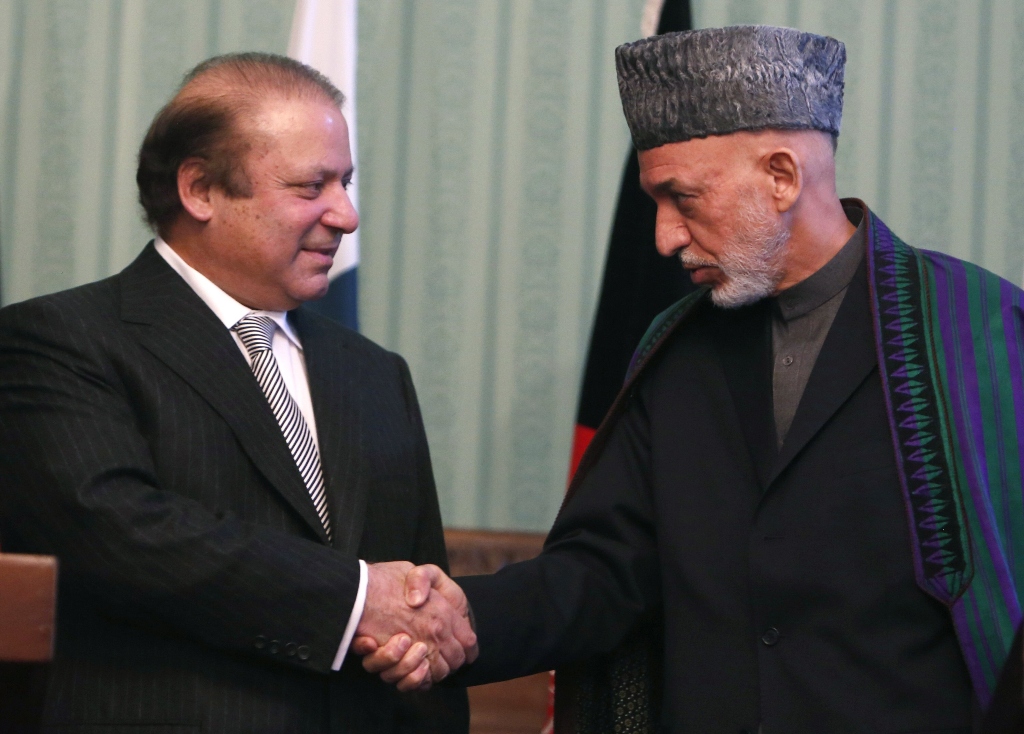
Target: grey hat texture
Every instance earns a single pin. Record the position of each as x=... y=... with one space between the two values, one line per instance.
x=716 y=81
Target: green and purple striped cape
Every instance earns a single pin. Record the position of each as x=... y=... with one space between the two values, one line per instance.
x=950 y=343
x=949 y=338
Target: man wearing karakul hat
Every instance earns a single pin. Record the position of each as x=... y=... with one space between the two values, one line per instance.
x=804 y=511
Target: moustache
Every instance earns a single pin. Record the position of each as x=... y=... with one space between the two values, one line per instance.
x=692 y=261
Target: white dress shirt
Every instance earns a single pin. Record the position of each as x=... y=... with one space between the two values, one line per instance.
x=287 y=348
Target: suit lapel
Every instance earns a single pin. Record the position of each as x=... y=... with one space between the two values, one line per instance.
x=847 y=357
x=179 y=329
x=742 y=338
x=338 y=404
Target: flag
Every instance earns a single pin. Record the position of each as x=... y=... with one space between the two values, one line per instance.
x=324 y=37
x=638 y=284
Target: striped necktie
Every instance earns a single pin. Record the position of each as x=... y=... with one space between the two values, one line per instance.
x=257 y=333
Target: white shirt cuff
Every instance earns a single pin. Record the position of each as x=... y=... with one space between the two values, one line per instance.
x=353 y=620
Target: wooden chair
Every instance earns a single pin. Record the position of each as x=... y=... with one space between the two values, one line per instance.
x=28 y=595
x=517 y=706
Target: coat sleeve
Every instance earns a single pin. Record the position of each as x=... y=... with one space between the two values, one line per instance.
x=78 y=481
x=595 y=579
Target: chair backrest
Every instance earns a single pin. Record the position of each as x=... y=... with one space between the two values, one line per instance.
x=28 y=602
x=472 y=552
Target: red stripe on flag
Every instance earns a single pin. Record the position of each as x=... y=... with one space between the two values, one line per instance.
x=549 y=722
x=581 y=438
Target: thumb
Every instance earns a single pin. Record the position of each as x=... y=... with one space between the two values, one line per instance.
x=364 y=646
x=451 y=591
x=419 y=581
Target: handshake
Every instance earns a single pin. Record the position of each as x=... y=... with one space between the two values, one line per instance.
x=415 y=627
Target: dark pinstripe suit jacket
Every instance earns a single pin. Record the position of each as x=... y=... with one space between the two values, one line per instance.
x=198 y=592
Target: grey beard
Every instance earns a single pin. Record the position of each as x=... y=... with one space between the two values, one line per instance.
x=752 y=264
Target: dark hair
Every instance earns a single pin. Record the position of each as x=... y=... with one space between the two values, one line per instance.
x=201 y=121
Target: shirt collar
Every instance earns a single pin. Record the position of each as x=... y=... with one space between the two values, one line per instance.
x=225 y=308
x=828 y=281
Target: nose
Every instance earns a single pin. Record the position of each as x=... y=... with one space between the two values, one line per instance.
x=340 y=213
x=671 y=234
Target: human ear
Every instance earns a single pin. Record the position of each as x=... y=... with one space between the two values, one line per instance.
x=787 y=174
x=194 y=189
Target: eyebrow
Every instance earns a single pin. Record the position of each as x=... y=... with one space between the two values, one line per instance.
x=668 y=185
x=328 y=172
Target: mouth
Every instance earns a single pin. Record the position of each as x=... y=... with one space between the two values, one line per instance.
x=321 y=255
x=701 y=270
x=703 y=274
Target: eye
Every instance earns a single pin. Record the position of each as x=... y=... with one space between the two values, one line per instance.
x=683 y=202
x=346 y=182
x=313 y=188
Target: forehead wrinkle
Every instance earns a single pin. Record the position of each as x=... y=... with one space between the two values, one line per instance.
x=672 y=185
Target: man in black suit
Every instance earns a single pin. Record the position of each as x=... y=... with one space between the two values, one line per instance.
x=739 y=550
x=234 y=486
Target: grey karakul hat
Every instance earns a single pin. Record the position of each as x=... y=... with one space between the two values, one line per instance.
x=716 y=81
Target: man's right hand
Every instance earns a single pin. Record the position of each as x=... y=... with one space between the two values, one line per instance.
x=415 y=627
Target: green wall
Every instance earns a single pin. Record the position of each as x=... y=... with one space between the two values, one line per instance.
x=79 y=82
x=491 y=146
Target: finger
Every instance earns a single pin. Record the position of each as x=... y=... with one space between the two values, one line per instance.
x=461 y=647
x=418 y=680
x=440 y=629
x=439 y=668
x=363 y=646
x=463 y=633
x=409 y=663
x=472 y=653
x=418 y=583
x=389 y=655
x=425 y=685
x=452 y=651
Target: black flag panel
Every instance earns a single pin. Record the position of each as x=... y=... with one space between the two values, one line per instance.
x=638 y=284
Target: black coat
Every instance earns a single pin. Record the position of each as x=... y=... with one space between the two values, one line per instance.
x=783 y=580
x=197 y=589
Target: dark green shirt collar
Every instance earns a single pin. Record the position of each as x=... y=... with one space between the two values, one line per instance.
x=833 y=277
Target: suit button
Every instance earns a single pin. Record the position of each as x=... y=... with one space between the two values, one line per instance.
x=303 y=652
x=290 y=649
x=261 y=642
x=275 y=647
x=770 y=636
